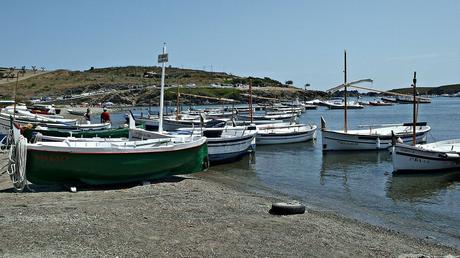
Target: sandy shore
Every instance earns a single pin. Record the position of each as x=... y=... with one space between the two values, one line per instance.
x=182 y=216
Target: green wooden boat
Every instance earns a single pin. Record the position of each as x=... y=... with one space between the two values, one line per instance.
x=97 y=163
x=145 y=155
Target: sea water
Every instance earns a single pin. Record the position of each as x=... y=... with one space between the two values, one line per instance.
x=360 y=184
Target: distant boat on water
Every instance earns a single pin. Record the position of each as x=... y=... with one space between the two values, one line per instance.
x=410 y=100
x=389 y=100
x=341 y=105
x=380 y=103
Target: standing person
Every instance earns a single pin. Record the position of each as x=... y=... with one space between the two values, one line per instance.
x=88 y=116
x=105 y=116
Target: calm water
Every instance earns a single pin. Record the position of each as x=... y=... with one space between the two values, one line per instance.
x=361 y=184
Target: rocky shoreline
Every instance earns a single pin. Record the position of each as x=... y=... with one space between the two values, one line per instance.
x=192 y=215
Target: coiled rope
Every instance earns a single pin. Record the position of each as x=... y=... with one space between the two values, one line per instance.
x=17 y=161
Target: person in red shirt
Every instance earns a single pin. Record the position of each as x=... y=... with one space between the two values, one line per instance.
x=105 y=116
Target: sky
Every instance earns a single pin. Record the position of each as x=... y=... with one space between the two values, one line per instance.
x=300 y=40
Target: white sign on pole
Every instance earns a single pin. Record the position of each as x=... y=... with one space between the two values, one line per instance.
x=163 y=58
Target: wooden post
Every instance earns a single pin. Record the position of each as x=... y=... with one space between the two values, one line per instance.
x=15 y=95
x=414 y=115
x=345 y=127
x=177 y=104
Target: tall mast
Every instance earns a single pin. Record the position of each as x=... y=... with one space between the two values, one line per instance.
x=250 y=100
x=414 y=115
x=345 y=128
x=163 y=58
x=177 y=103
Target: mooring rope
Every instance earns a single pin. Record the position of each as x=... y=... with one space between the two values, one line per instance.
x=17 y=163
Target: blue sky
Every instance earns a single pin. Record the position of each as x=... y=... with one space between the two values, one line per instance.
x=301 y=41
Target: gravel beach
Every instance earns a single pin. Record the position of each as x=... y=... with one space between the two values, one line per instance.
x=182 y=216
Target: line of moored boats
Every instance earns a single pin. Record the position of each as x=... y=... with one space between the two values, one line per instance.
x=51 y=149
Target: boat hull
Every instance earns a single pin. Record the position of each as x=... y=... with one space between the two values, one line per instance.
x=73 y=168
x=228 y=150
x=337 y=141
x=266 y=139
x=410 y=159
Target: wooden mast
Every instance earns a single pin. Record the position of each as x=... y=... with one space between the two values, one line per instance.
x=15 y=95
x=414 y=115
x=177 y=104
x=345 y=92
x=250 y=100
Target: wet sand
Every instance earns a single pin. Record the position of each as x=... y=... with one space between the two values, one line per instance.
x=182 y=216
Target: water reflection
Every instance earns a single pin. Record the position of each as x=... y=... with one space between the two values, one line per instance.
x=343 y=164
x=419 y=187
x=293 y=148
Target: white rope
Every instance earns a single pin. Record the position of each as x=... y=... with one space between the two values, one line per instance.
x=17 y=163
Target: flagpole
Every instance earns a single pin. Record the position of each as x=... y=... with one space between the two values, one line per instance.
x=160 y=123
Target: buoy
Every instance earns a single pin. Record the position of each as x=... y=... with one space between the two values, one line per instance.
x=287 y=208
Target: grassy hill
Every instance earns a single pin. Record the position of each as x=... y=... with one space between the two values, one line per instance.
x=446 y=89
x=126 y=80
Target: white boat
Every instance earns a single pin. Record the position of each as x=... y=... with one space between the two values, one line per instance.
x=283 y=117
x=315 y=102
x=297 y=113
x=341 y=105
x=226 y=144
x=437 y=156
x=295 y=109
x=376 y=137
x=76 y=112
x=284 y=133
x=27 y=117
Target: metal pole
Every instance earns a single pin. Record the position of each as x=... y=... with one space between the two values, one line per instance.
x=160 y=124
x=414 y=115
x=345 y=127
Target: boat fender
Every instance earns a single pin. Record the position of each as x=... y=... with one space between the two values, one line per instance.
x=448 y=155
x=378 y=143
x=289 y=208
